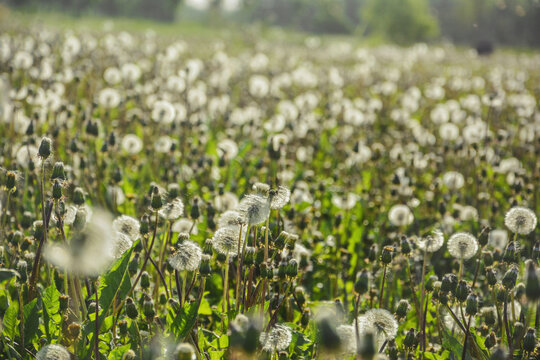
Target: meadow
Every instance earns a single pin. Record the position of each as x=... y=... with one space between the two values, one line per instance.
x=190 y=193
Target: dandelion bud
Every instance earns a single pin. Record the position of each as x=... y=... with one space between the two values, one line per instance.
x=300 y=296
x=292 y=268
x=386 y=256
x=408 y=341
x=306 y=316
x=131 y=309
x=529 y=341
x=472 y=305
x=510 y=277
x=362 y=282
x=500 y=293
x=259 y=256
x=92 y=307
x=484 y=236
x=157 y=201
x=532 y=285
x=393 y=352
x=27 y=219
x=80 y=220
x=499 y=354
x=282 y=269
x=519 y=331
x=45 y=148
x=145 y=280
x=22 y=268
x=405 y=246
x=123 y=327
x=145 y=225
x=38 y=229
x=462 y=291
x=64 y=302
x=491 y=276
x=205 y=268
x=443 y=298
x=491 y=340
x=74 y=330
x=490 y=315
x=78 y=196
x=148 y=307
x=11 y=180
x=195 y=211
x=184 y=351
x=510 y=253
x=372 y=256
x=57 y=190
x=58 y=171
x=449 y=283
x=487 y=257
x=519 y=290
x=430 y=281
x=402 y=309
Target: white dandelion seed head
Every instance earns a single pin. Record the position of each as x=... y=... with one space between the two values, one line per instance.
x=184 y=226
x=230 y=218
x=400 y=215
x=462 y=245
x=431 y=242
x=187 y=257
x=27 y=153
x=261 y=188
x=127 y=225
x=121 y=243
x=379 y=322
x=225 y=240
x=498 y=239
x=254 y=208
x=163 y=112
x=347 y=334
x=172 y=210
x=53 y=352
x=132 y=144
x=226 y=201
x=109 y=98
x=453 y=180
x=227 y=149
x=520 y=220
x=281 y=198
x=277 y=339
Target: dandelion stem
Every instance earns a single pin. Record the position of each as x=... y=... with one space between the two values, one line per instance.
x=226 y=288
x=382 y=287
x=265 y=284
x=96 y=329
x=423 y=290
x=356 y=330
x=238 y=266
x=415 y=297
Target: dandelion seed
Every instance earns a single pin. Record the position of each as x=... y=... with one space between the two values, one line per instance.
x=462 y=246
x=230 y=218
x=121 y=244
x=172 y=210
x=520 y=220
x=379 y=322
x=254 y=208
x=400 y=215
x=281 y=198
x=127 y=225
x=277 y=339
x=453 y=180
x=225 y=240
x=132 y=144
x=187 y=257
x=432 y=242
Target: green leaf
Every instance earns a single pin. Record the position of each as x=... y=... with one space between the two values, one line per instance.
x=31 y=320
x=6 y=274
x=182 y=322
x=51 y=300
x=434 y=356
x=217 y=355
x=10 y=321
x=117 y=353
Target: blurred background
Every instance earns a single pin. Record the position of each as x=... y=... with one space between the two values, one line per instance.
x=469 y=22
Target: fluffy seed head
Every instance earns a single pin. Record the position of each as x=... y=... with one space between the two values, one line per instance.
x=281 y=198
x=520 y=220
x=225 y=240
x=276 y=339
x=431 y=242
x=53 y=352
x=187 y=257
x=379 y=322
x=172 y=210
x=462 y=245
x=400 y=215
x=127 y=225
x=254 y=208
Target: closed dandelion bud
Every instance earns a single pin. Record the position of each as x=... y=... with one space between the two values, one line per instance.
x=38 y=229
x=471 y=307
x=487 y=257
x=519 y=331
x=27 y=219
x=63 y=300
x=25 y=243
x=462 y=291
x=491 y=340
x=300 y=296
x=130 y=354
x=185 y=351
x=45 y=148
x=529 y=341
x=145 y=280
x=500 y=293
x=405 y=246
x=402 y=308
x=393 y=352
x=304 y=261
x=157 y=201
x=92 y=307
x=372 y=253
x=519 y=290
x=491 y=276
x=173 y=190
x=367 y=346
x=57 y=190
x=532 y=284
x=78 y=196
x=490 y=315
x=74 y=330
x=292 y=268
x=162 y=299
x=22 y=267
x=484 y=236
x=259 y=256
x=443 y=298
x=510 y=277
x=145 y=225
x=499 y=353
x=195 y=211
x=449 y=283
x=117 y=174
x=148 y=307
x=123 y=327
x=386 y=256
x=306 y=316
x=58 y=171
x=282 y=270
x=205 y=268
x=430 y=281
x=221 y=257
x=133 y=265
x=361 y=284
x=408 y=341
x=11 y=180
x=510 y=253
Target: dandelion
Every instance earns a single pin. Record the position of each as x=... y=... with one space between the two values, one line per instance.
x=400 y=215
x=348 y=338
x=185 y=351
x=520 y=220
x=121 y=244
x=498 y=238
x=453 y=180
x=277 y=339
x=172 y=210
x=462 y=246
x=431 y=242
x=109 y=98
x=225 y=240
x=379 y=322
x=184 y=226
x=163 y=112
x=254 y=208
x=127 y=225
x=53 y=352
x=132 y=144
x=187 y=257
x=26 y=154
x=281 y=198
x=230 y=218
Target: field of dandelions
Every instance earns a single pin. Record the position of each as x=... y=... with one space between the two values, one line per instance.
x=163 y=198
